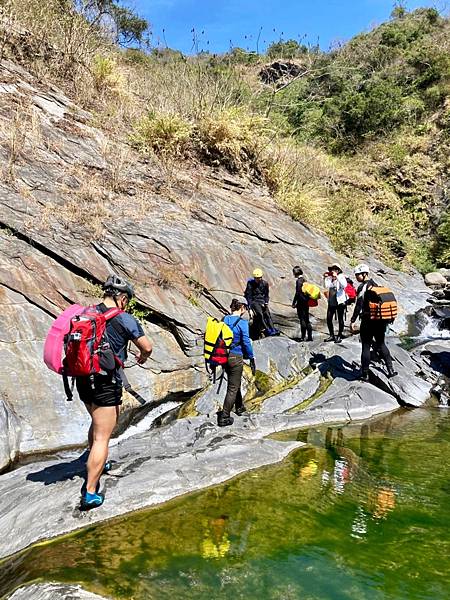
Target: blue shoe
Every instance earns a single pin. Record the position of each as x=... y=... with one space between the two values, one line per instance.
x=107 y=468
x=89 y=501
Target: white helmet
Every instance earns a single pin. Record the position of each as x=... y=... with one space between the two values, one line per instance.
x=362 y=268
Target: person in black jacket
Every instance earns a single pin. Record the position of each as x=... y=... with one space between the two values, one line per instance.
x=257 y=296
x=371 y=331
x=301 y=303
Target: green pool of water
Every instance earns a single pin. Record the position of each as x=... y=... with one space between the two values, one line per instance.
x=362 y=512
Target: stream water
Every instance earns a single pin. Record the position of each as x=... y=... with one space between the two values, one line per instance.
x=360 y=512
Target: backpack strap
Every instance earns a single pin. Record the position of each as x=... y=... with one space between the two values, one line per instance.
x=110 y=313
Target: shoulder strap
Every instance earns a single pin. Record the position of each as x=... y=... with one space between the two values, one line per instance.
x=110 y=313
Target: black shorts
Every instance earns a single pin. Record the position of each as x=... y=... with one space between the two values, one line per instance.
x=106 y=392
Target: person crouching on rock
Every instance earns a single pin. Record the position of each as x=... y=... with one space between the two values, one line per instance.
x=257 y=296
x=103 y=396
x=301 y=303
x=371 y=331
x=241 y=347
x=335 y=283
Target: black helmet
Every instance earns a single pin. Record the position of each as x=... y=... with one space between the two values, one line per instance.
x=115 y=285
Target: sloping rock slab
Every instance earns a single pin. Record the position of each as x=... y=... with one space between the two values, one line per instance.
x=281 y=357
x=351 y=400
x=407 y=387
x=53 y=591
x=286 y=400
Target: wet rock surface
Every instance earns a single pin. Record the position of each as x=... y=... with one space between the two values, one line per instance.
x=53 y=591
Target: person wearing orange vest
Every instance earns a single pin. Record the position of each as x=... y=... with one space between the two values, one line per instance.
x=371 y=332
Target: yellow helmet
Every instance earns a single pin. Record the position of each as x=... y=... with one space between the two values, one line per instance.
x=257 y=273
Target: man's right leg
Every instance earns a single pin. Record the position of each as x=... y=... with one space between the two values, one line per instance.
x=308 y=324
x=380 y=335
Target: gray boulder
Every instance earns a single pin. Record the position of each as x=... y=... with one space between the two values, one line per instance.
x=435 y=279
x=445 y=273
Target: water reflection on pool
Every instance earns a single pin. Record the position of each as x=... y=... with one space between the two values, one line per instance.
x=361 y=512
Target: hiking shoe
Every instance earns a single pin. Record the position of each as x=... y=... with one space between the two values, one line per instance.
x=107 y=468
x=338 y=340
x=391 y=372
x=330 y=339
x=240 y=411
x=223 y=421
x=90 y=501
x=364 y=376
x=309 y=339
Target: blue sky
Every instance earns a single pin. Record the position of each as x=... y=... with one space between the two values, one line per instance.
x=232 y=20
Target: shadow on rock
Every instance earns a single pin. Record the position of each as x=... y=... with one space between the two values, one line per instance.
x=61 y=471
x=338 y=367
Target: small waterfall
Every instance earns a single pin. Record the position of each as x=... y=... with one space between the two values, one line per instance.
x=145 y=423
x=430 y=328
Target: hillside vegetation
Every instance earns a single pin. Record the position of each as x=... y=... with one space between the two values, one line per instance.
x=354 y=141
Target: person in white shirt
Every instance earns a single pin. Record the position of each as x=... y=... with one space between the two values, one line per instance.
x=335 y=284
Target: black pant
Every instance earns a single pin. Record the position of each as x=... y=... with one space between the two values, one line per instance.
x=373 y=331
x=262 y=319
x=233 y=396
x=303 y=317
x=338 y=309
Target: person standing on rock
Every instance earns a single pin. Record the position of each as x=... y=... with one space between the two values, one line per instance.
x=335 y=284
x=301 y=303
x=241 y=347
x=371 y=331
x=257 y=296
x=103 y=396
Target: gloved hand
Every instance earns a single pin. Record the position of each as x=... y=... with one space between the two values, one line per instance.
x=253 y=366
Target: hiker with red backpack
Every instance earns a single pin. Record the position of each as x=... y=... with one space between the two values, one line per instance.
x=240 y=348
x=376 y=307
x=335 y=284
x=95 y=343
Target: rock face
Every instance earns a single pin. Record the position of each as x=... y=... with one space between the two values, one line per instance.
x=76 y=206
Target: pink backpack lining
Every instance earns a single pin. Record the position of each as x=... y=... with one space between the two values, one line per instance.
x=54 y=342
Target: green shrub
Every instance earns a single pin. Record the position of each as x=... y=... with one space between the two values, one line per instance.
x=166 y=134
x=107 y=75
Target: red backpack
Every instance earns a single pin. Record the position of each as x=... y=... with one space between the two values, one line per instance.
x=87 y=349
x=350 y=291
